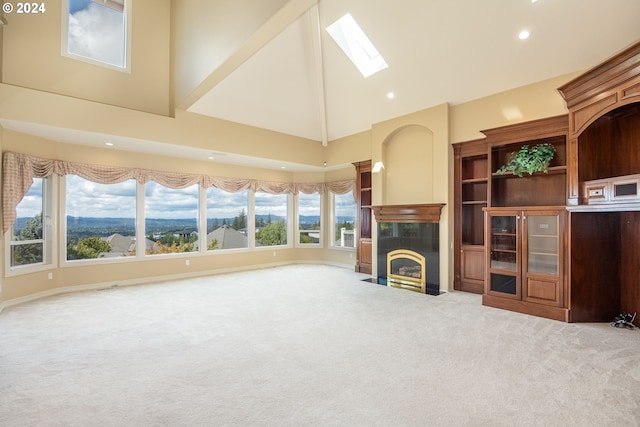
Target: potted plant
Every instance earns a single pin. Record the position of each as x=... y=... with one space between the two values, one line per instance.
x=529 y=159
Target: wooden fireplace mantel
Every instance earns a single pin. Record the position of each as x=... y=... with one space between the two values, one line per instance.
x=408 y=213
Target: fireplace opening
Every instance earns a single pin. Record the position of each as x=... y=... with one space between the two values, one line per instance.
x=418 y=246
x=406 y=269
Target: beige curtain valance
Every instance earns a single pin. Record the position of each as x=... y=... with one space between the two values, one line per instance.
x=18 y=171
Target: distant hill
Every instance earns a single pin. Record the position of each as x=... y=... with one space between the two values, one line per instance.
x=85 y=226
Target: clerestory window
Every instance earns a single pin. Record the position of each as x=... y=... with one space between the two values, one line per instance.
x=96 y=31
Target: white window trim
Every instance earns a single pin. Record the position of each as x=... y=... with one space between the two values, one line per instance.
x=64 y=51
x=50 y=220
x=296 y=225
x=332 y=224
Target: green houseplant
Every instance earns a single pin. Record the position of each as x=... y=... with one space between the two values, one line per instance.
x=529 y=160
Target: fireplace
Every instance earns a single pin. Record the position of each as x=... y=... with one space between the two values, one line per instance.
x=406 y=269
x=408 y=247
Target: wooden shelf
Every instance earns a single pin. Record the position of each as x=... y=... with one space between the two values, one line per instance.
x=553 y=170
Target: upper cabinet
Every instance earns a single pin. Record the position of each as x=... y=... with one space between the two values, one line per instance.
x=541 y=188
x=604 y=122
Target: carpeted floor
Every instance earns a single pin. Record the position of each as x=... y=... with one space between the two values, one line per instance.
x=306 y=345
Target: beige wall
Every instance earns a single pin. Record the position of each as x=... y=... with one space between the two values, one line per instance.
x=31 y=57
x=530 y=102
x=185 y=130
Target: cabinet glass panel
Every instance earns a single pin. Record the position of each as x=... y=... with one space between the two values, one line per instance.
x=542 y=244
x=503 y=283
x=503 y=243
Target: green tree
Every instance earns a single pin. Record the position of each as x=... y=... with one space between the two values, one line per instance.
x=90 y=247
x=33 y=229
x=29 y=253
x=240 y=221
x=213 y=245
x=273 y=234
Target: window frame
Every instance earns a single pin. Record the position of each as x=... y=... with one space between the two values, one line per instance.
x=332 y=223
x=290 y=219
x=142 y=237
x=64 y=45
x=49 y=222
x=298 y=232
x=63 y=229
x=204 y=222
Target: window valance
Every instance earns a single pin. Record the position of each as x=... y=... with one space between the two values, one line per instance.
x=18 y=171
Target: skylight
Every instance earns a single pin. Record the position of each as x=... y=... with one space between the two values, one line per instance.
x=356 y=45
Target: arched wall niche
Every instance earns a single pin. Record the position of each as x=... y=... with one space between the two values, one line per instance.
x=610 y=145
x=408 y=155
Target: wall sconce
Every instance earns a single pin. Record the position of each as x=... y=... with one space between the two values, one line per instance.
x=377 y=167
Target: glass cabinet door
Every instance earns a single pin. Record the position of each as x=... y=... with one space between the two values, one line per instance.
x=543 y=243
x=503 y=255
x=504 y=243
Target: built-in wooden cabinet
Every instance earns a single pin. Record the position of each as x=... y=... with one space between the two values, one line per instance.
x=364 y=258
x=525 y=260
x=525 y=223
x=561 y=244
x=478 y=187
x=471 y=171
x=604 y=148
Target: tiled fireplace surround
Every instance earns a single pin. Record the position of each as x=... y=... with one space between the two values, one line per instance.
x=414 y=228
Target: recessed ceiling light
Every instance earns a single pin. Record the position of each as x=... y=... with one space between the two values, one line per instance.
x=109 y=144
x=524 y=34
x=356 y=45
x=391 y=95
x=211 y=158
x=283 y=167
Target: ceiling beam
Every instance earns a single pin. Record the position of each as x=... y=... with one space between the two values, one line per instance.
x=316 y=39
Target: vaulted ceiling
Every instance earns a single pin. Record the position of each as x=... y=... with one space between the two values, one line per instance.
x=300 y=82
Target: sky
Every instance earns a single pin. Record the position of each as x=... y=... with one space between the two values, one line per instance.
x=96 y=32
x=89 y=199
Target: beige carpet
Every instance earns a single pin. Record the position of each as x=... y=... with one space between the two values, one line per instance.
x=306 y=345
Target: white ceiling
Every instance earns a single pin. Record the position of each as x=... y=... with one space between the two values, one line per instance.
x=438 y=51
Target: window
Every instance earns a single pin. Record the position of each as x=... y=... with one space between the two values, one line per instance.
x=171 y=219
x=271 y=211
x=226 y=219
x=96 y=30
x=100 y=219
x=31 y=237
x=309 y=218
x=344 y=219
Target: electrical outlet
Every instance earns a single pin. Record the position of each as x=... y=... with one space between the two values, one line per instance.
x=187 y=262
x=274 y=253
x=50 y=276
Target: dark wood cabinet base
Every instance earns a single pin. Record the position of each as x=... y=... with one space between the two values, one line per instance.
x=524 y=307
